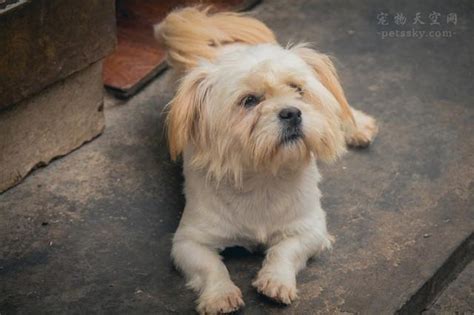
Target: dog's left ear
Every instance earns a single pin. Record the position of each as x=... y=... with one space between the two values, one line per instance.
x=326 y=72
x=185 y=112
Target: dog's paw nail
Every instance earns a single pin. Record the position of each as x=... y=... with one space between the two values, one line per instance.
x=365 y=133
x=276 y=290
x=360 y=142
x=222 y=302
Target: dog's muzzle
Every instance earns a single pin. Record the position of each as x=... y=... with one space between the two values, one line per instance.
x=290 y=118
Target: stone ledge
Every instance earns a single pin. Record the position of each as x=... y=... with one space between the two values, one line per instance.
x=44 y=41
x=50 y=124
x=458 y=296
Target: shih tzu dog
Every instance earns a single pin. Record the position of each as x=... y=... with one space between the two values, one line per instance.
x=250 y=119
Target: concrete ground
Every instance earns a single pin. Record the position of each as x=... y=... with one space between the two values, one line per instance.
x=458 y=297
x=90 y=233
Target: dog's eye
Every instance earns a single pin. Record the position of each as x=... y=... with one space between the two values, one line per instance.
x=297 y=88
x=250 y=101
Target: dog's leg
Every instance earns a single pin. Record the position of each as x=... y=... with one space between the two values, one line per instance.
x=363 y=132
x=208 y=276
x=277 y=278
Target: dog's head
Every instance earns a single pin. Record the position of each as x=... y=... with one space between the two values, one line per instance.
x=258 y=108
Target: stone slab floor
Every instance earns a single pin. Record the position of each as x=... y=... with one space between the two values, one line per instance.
x=90 y=233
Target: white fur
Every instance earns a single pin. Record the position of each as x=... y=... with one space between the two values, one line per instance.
x=279 y=209
x=282 y=212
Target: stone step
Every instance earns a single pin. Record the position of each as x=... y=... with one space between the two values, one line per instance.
x=51 y=124
x=50 y=80
x=43 y=42
x=458 y=297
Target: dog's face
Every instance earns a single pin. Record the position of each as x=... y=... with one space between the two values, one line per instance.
x=259 y=108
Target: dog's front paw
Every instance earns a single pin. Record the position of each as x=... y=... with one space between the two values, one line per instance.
x=220 y=301
x=277 y=288
x=365 y=131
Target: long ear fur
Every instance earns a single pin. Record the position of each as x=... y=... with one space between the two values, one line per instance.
x=327 y=74
x=359 y=128
x=185 y=112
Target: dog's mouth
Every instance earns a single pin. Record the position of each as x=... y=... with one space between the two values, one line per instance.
x=291 y=135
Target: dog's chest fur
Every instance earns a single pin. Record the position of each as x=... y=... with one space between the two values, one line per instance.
x=260 y=212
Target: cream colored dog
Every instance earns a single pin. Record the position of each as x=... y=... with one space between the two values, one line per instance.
x=250 y=119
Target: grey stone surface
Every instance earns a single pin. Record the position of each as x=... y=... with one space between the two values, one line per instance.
x=50 y=124
x=458 y=298
x=91 y=232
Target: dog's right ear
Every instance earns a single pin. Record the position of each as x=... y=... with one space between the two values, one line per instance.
x=324 y=68
x=184 y=119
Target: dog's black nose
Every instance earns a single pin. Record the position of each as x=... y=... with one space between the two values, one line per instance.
x=290 y=115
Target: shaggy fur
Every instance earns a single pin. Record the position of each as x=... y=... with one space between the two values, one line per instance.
x=250 y=167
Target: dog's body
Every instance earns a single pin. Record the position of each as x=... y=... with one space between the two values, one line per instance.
x=251 y=119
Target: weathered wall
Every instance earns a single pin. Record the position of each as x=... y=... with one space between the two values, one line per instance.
x=43 y=41
x=50 y=80
x=52 y=123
